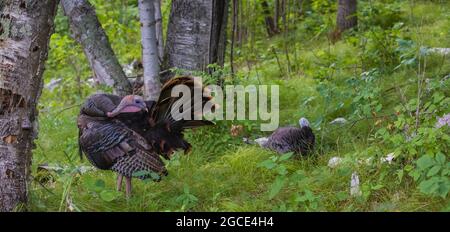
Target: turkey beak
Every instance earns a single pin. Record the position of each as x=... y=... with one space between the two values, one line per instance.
x=143 y=106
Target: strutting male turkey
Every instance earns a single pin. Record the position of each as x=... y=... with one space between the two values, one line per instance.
x=299 y=140
x=127 y=135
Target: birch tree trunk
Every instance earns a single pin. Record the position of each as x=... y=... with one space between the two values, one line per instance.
x=195 y=35
x=346 y=17
x=152 y=85
x=88 y=32
x=159 y=30
x=25 y=29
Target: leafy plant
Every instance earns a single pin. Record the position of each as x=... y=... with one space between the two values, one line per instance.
x=433 y=173
x=275 y=163
x=187 y=199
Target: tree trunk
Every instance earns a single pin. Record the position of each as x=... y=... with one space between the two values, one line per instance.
x=237 y=11
x=25 y=29
x=88 y=32
x=346 y=16
x=299 y=9
x=241 y=30
x=159 y=30
x=218 y=39
x=284 y=14
x=152 y=85
x=277 y=15
x=270 y=25
x=233 y=33
x=195 y=35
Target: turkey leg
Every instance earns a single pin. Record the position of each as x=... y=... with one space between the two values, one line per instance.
x=128 y=186
x=119 y=182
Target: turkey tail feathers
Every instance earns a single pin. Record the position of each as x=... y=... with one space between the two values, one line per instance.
x=166 y=134
x=169 y=105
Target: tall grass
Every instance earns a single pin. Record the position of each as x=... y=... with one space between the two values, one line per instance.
x=224 y=174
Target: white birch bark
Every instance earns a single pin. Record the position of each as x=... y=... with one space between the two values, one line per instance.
x=159 y=30
x=152 y=84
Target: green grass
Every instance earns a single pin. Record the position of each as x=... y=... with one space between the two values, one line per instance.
x=223 y=174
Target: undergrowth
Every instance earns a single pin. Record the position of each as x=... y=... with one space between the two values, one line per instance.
x=384 y=79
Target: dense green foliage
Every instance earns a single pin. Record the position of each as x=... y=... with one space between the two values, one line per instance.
x=384 y=78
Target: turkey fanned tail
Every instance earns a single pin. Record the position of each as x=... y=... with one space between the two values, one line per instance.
x=166 y=134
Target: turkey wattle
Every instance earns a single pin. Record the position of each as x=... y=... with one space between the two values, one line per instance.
x=299 y=140
x=128 y=134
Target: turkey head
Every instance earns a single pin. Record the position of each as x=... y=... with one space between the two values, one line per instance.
x=129 y=104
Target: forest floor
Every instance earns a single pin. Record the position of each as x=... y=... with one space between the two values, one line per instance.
x=323 y=83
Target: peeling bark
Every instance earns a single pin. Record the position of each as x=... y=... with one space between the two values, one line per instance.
x=25 y=29
x=152 y=85
x=196 y=34
x=88 y=32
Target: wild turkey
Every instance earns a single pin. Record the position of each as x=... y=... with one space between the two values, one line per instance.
x=128 y=134
x=166 y=133
x=299 y=140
